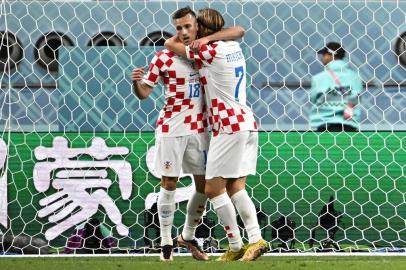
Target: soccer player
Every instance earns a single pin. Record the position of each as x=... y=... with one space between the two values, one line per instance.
x=181 y=133
x=233 y=148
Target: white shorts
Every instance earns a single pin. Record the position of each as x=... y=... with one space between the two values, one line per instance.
x=232 y=155
x=188 y=153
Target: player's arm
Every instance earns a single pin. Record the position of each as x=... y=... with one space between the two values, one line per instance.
x=205 y=54
x=143 y=85
x=141 y=89
x=232 y=33
x=175 y=45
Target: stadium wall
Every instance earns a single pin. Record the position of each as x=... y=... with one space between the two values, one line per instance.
x=281 y=42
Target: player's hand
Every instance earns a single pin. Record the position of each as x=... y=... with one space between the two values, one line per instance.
x=198 y=43
x=137 y=74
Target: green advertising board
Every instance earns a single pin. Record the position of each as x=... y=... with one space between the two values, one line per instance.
x=297 y=173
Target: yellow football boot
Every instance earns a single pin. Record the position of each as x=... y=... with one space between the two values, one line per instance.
x=255 y=250
x=230 y=256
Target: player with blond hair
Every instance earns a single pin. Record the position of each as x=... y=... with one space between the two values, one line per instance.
x=233 y=148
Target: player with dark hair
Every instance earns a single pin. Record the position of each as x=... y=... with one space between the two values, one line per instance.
x=181 y=133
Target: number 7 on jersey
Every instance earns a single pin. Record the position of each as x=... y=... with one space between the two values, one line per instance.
x=239 y=73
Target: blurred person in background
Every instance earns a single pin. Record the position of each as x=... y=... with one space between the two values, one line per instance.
x=335 y=93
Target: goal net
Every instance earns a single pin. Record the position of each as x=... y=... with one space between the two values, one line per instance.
x=76 y=144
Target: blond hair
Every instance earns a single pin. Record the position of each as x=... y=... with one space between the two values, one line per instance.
x=210 y=21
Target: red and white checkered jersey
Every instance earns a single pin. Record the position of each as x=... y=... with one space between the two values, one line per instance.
x=222 y=73
x=184 y=112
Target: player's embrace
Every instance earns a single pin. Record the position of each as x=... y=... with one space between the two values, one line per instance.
x=233 y=149
x=181 y=135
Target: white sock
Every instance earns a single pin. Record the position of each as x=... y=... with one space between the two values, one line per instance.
x=248 y=214
x=166 y=212
x=225 y=211
x=195 y=208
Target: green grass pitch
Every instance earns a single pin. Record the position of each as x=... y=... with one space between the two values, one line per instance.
x=152 y=263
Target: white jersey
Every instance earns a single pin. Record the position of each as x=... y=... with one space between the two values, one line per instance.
x=184 y=112
x=223 y=75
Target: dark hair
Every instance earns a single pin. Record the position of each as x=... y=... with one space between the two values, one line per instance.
x=180 y=13
x=333 y=48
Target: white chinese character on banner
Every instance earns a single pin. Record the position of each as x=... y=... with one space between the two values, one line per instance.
x=3 y=183
x=81 y=185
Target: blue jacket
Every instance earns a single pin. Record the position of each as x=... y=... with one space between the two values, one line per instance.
x=335 y=95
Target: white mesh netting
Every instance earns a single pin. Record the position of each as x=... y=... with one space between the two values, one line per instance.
x=342 y=191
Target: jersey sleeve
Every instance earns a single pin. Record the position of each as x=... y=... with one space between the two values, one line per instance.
x=155 y=70
x=206 y=54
